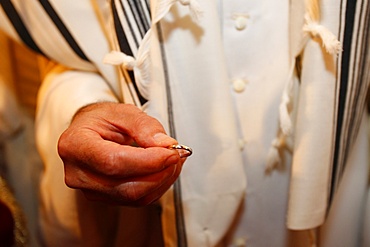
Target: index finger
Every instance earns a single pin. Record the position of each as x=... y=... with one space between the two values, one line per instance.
x=124 y=161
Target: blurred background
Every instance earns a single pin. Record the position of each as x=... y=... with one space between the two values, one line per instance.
x=21 y=71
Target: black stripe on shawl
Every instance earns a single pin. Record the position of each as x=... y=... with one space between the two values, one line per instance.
x=343 y=86
x=366 y=63
x=139 y=15
x=359 y=85
x=63 y=29
x=125 y=48
x=179 y=211
x=120 y=33
x=145 y=21
x=19 y=25
x=129 y=24
x=147 y=6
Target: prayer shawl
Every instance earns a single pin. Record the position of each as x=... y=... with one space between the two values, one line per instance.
x=331 y=100
x=161 y=64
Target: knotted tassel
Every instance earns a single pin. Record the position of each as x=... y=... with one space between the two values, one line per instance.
x=141 y=64
x=286 y=127
x=312 y=26
x=142 y=59
x=328 y=39
x=273 y=156
x=142 y=69
x=120 y=58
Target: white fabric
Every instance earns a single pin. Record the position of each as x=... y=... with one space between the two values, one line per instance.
x=256 y=114
x=349 y=204
x=205 y=182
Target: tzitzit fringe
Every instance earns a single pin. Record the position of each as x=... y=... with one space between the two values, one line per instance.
x=140 y=65
x=332 y=46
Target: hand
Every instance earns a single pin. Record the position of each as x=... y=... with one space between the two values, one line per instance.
x=100 y=159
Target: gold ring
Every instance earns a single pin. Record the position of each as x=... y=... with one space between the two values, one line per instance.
x=185 y=151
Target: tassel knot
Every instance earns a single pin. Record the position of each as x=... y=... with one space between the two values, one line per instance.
x=328 y=39
x=274 y=159
x=285 y=120
x=120 y=58
x=273 y=156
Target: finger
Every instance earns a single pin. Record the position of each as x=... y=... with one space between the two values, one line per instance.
x=106 y=157
x=135 y=192
x=125 y=161
x=156 y=195
x=145 y=130
x=112 y=159
x=112 y=120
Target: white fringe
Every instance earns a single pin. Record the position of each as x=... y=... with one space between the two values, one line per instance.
x=273 y=156
x=142 y=63
x=120 y=58
x=332 y=46
x=286 y=126
x=142 y=69
x=328 y=39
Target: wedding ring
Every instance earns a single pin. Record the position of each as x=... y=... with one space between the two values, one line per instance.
x=184 y=151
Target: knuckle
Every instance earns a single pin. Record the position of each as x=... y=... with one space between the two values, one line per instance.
x=142 y=119
x=74 y=177
x=70 y=181
x=63 y=145
x=110 y=164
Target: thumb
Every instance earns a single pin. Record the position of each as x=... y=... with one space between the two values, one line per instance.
x=162 y=140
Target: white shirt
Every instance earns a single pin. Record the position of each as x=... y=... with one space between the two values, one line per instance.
x=258 y=56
